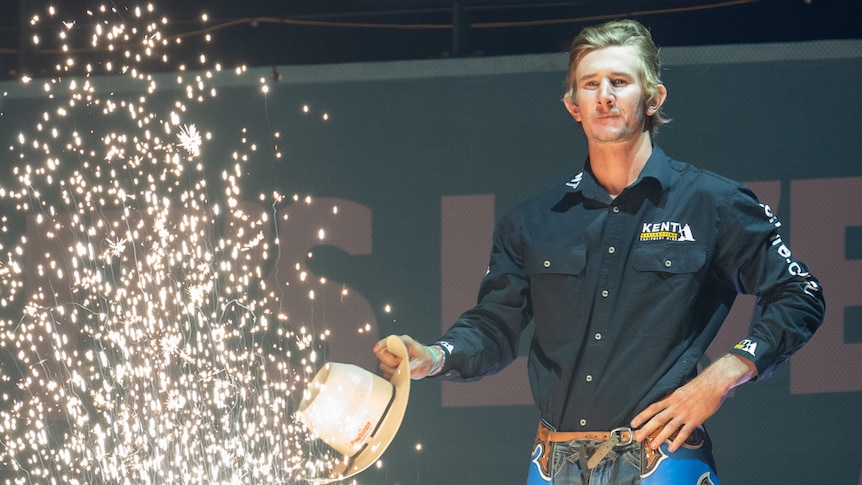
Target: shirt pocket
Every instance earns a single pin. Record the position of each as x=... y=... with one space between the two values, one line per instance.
x=556 y=275
x=663 y=286
x=668 y=259
x=556 y=260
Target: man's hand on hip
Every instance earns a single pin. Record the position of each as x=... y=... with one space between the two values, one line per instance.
x=680 y=413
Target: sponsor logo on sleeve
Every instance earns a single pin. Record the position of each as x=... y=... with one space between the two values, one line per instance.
x=449 y=347
x=793 y=266
x=747 y=345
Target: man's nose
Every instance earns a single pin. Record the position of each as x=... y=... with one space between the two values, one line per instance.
x=606 y=93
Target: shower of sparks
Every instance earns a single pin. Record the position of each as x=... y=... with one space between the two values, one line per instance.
x=139 y=340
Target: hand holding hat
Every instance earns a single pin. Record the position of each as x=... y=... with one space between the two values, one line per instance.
x=356 y=412
x=422 y=359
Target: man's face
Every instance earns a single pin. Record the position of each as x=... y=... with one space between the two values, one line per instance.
x=608 y=99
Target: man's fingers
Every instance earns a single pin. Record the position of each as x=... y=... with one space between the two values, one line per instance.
x=657 y=426
x=664 y=434
x=679 y=439
x=388 y=358
x=648 y=421
x=388 y=361
x=420 y=356
x=387 y=370
x=380 y=345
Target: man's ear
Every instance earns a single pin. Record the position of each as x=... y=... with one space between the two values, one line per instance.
x=571 y=107
x=657 y=100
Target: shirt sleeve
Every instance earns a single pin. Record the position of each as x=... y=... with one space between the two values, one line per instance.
x=789 y=300
x=485 y=339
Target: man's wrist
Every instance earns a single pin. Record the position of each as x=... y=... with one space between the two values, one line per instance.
x=439 y=356
x=730 y=371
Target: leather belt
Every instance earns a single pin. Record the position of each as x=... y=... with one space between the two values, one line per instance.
x=608 y=440
x=625 y=435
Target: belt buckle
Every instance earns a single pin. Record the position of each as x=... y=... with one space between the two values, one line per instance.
x=615 y=439
x=619 y=433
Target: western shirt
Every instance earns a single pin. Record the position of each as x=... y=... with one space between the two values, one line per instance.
x=627 y=293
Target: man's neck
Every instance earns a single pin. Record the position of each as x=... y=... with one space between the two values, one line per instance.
x=618 y=165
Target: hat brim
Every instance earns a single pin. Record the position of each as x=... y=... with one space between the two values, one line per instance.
x=388 y=427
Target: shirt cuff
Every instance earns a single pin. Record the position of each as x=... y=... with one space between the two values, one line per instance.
x=757 y=352
x=439 y=364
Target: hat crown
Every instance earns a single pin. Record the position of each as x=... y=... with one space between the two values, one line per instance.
x=344 y=404
x=355 y=412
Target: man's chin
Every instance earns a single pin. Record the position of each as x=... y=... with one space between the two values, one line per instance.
x=611 y=136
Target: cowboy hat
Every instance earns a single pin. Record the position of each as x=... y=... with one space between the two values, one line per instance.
x=355 y=412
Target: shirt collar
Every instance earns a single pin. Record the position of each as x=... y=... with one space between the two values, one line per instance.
x=656 y=174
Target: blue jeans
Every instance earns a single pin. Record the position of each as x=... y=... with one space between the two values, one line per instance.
x=691 y=464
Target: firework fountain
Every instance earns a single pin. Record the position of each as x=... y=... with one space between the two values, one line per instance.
x=142 y=339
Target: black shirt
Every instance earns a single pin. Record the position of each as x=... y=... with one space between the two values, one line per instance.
x=627 y=293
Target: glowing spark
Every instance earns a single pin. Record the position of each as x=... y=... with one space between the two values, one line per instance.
x=190 y=140
x=116 y=248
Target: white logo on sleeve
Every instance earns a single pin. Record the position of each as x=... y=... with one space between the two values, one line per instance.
x=747 y=345
x=449 y=347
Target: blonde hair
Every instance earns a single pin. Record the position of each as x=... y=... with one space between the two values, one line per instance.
x=621 y=33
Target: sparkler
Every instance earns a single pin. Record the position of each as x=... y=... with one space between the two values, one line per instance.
x=149 y=346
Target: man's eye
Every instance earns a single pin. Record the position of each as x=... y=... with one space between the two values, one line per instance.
x=620 y=82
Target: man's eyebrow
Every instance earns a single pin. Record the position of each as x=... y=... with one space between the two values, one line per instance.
x=614 y=74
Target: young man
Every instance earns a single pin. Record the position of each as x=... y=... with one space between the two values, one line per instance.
x=628 y=271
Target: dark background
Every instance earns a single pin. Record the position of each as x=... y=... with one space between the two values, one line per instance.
x=260 y=33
